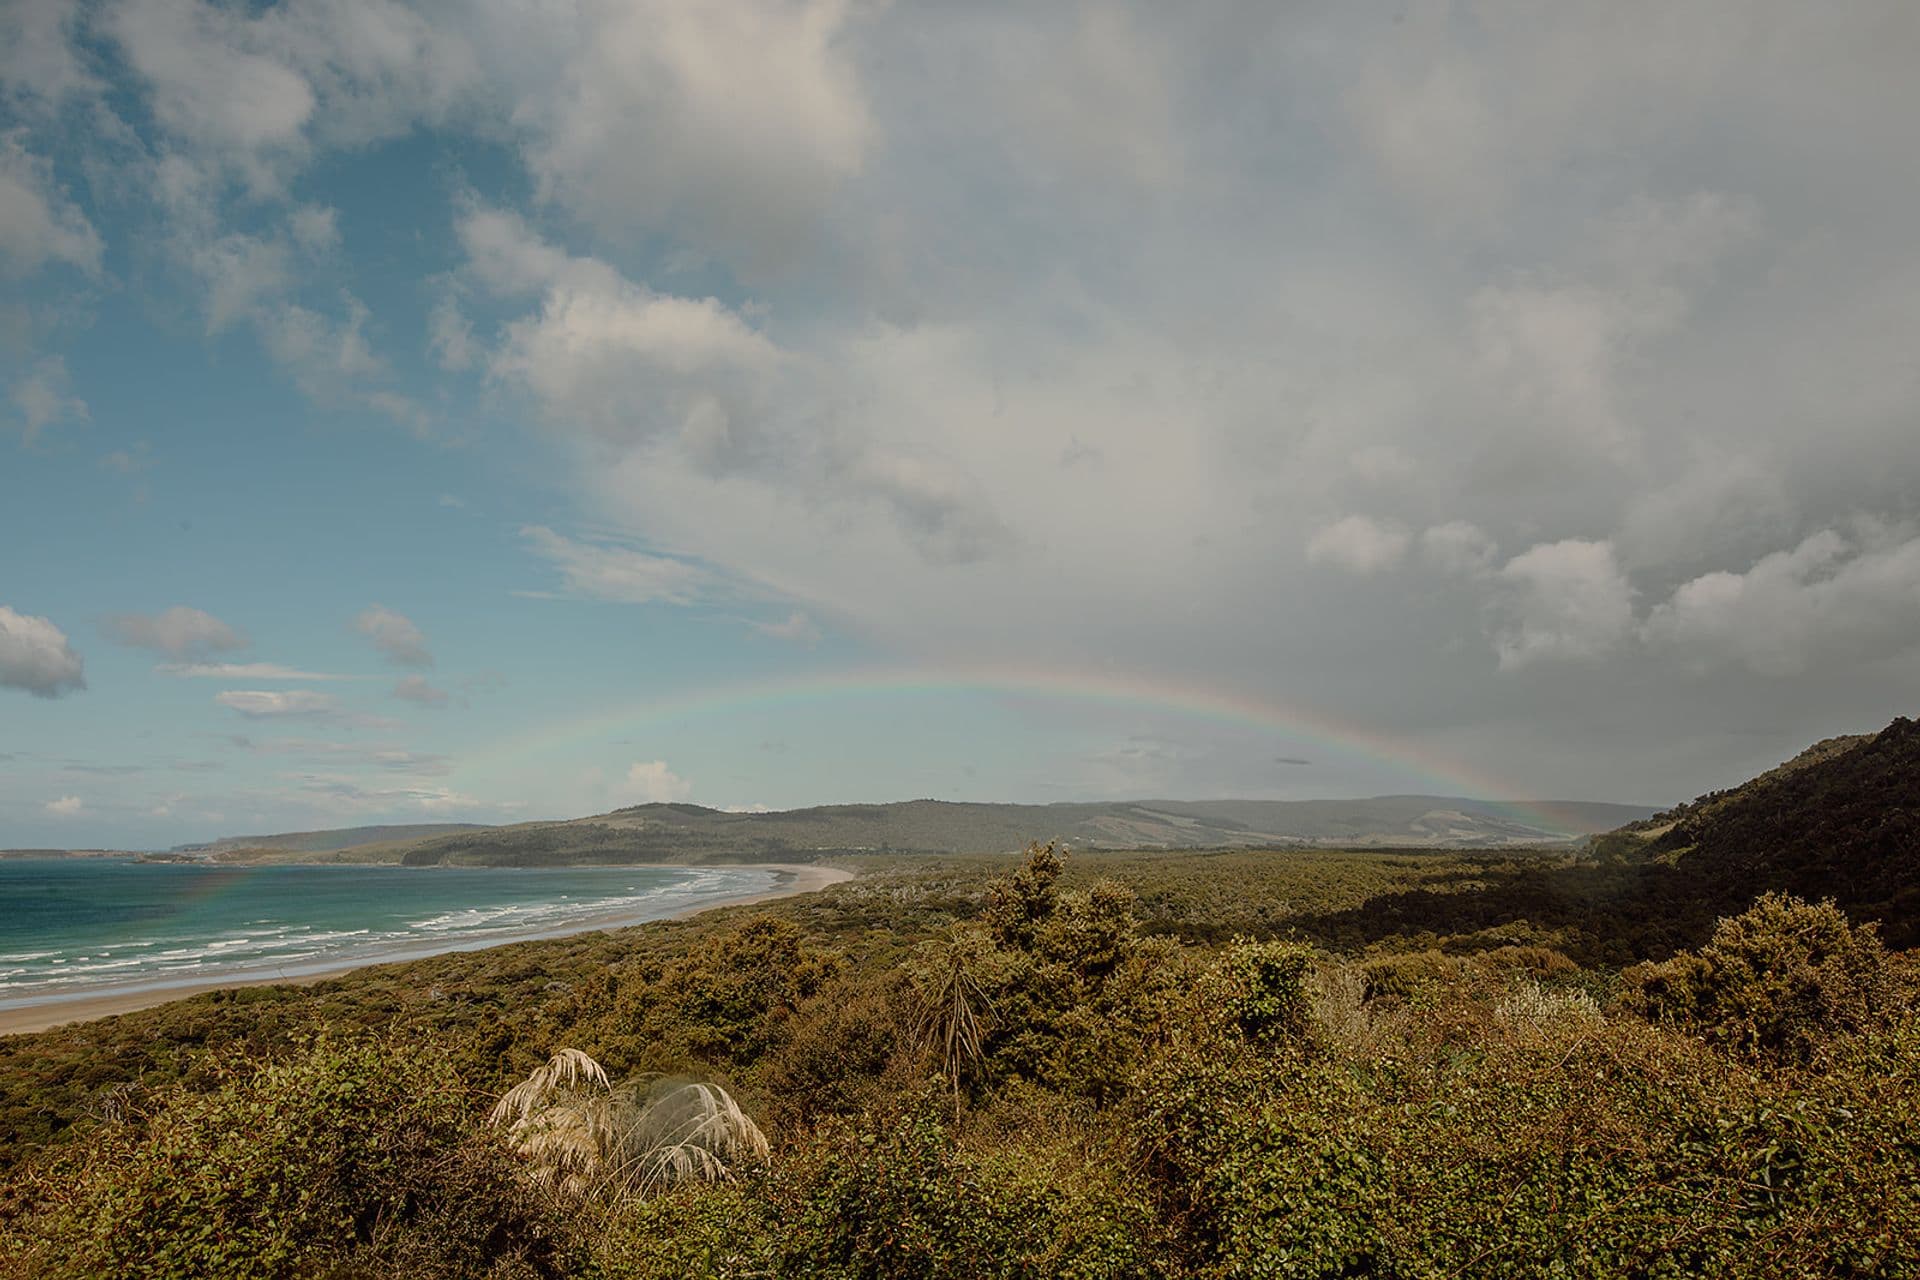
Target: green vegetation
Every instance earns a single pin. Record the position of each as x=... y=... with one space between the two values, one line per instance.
x=1197 y=1065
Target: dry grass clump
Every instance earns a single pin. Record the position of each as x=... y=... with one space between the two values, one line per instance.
x=560 y=1118
x=581 y=1134
x=1532 y=1014
x=682 y=1131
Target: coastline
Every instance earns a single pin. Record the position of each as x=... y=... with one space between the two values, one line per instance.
x=64 y=1011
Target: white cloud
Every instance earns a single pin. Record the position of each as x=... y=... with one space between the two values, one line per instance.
x=38 y=225
x=651 y=782
x=182 y=633
x=1562 y=600
x=42 y=397
x=262 y=704
x=208 y=87
x=38 y=60
x=65 y=807
x=1830 y=599
x=728 y=122
x=662 y=381
x=796 y=628
x=450 y=336
x=395 y=635
x=1359 y=544
x=36 y=656
x=254 y=278
x=316 y=228
x=242 y=671
x=597 y=339
x=415 y=689
x=596 y=571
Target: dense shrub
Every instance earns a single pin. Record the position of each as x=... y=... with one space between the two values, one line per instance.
x=843 y=1041
x=1525 y=1135
x=354 y=1156
x=725 y=1001
x=1778 y=981
x=900 y=1198
x=1410 y=974
x=1260 y=989
x=895 y=1197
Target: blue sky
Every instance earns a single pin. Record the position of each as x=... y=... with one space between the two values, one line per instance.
x=414 y=411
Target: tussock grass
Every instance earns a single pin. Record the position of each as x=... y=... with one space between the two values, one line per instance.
x=682 y=1131
x=580 y=1134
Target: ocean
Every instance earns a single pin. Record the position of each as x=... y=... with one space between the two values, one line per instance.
x=73 y=927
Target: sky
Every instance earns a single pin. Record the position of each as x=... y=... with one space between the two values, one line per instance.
x=415 y=411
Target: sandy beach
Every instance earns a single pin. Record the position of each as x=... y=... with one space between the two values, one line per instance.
x=805 y=878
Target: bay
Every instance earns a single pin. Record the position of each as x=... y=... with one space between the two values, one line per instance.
x=82 y=927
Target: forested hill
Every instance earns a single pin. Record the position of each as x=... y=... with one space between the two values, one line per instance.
x=687 y=832
x=1840 y=821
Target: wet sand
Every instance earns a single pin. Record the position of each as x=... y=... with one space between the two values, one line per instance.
x=58 y=1012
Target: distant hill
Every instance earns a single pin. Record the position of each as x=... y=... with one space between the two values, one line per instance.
x=1841 y=820
x=692 y=833
x=328 y=841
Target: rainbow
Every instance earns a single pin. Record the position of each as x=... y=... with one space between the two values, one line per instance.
x=1087 y=686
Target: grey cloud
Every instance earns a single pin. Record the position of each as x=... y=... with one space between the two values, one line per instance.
x=795 y=628
x=180 y=632
x=416 y=690
x=1616 y=303
x=1359 y=544
x=395 y=635
x=388 y=758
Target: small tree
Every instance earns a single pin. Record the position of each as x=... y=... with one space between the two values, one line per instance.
x=1019 y=904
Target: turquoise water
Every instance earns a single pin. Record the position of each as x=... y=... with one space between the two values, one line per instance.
x=91 y=926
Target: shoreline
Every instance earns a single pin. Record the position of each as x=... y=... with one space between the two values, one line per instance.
x=62 y=1011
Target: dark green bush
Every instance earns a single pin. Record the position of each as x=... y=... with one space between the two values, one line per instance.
x=1778 y=981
